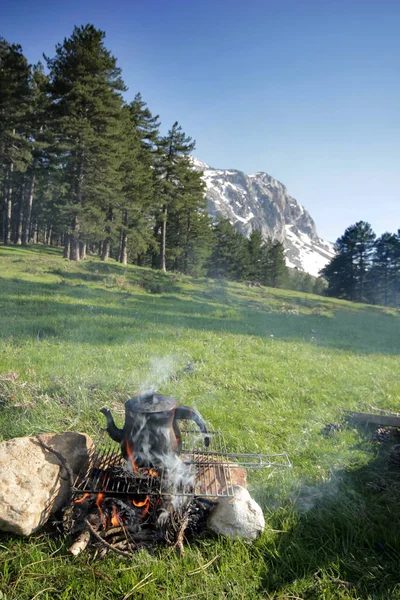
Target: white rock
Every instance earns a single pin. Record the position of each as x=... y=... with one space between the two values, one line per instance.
x=33 y=480
x=258 y=201
x=237 y=516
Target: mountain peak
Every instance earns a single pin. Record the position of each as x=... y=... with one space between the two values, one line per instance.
x=258 y=201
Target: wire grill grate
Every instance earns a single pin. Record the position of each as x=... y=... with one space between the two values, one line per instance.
x=211 y=469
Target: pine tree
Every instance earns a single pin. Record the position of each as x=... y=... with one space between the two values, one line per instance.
x=230 y=257
x=171 y=166
x=14 y=150
x=140 y=181
x=384 y=275
x=137 y=193
x=189 y=233
x=346 y=273
x=39 y=137
x=85 y=86
x=255 y=244
x=147 y=126
x=274 y=269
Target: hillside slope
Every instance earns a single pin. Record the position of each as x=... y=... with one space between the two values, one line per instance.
x=269 y=368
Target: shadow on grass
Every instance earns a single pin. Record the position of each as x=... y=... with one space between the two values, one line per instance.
x=346 y=537
x=89 y=313
x=37 y=249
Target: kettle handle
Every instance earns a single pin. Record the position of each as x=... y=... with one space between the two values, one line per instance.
x=184 y=412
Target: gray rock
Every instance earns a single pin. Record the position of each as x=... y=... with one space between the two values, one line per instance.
x=238 y=516
x=258 y=201
x=34 y=482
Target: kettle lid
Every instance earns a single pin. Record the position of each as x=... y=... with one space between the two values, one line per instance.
x=150 y=402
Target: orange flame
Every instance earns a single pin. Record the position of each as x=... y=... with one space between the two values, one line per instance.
x=153 y=473
x=129 y=451
x=115 y=518
x=84 y=497
x=145 y=504
x=99 y=500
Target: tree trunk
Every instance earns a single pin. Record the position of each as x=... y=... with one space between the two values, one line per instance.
x=82 y=250
x=74 y=241
x=75 y=236
x=20 y=214
x=105 y=253
x=123 y=252
x=49 y=234
x=36 y=234
x=7 y=237
x=28 y=206
x=3 y=212
x=31 y=231
x=124 y=248
x=67 y=246
x=163 y=237
x=186 y=254
x=74 y=247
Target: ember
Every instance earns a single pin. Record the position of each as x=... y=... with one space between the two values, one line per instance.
x=145 y=504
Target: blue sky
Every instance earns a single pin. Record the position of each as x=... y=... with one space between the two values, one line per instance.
x=306 y=90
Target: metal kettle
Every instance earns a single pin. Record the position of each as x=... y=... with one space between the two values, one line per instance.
x=151 y=432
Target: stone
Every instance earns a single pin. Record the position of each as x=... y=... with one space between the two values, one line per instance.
x=34 y=482
x=237 y=516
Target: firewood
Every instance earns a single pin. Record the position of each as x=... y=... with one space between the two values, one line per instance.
x=111 y=531
x=181 y=534
x=80 y=543
x=106 y=544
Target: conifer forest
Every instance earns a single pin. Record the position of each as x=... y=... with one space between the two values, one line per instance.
x=85 y=168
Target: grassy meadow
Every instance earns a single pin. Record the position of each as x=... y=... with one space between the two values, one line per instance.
x=269 y=368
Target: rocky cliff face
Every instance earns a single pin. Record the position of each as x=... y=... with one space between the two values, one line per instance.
x=257 y=201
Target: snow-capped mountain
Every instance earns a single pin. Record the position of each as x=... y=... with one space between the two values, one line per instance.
x=257 y=201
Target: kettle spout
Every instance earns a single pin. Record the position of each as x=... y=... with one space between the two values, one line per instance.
x=113 y=431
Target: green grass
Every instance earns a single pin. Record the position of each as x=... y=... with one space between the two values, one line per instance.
x=271 y=369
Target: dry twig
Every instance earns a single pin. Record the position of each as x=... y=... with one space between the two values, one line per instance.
x=181 y=534
x=139 y=585
x=190 y=596
x=106 y=544
x=41 y=592
x=203 y=567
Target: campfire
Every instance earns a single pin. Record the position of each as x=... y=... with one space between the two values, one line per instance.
x=151 y=483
